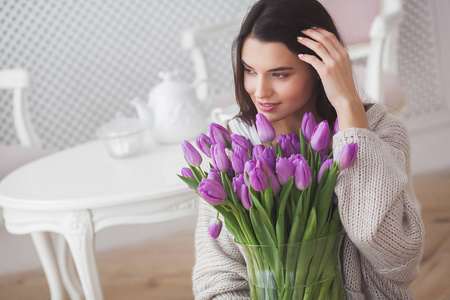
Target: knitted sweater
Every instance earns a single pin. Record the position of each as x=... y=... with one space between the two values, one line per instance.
x=385 y=234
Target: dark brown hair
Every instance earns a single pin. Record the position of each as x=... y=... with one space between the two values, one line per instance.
x=281 y=21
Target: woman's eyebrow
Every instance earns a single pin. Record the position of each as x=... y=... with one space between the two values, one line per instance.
x=271 y=70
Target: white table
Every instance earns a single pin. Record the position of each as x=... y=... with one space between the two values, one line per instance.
x=79 y=191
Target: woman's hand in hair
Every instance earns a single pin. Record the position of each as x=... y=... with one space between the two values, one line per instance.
x=335 y=71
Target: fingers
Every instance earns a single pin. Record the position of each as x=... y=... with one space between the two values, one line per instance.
x=323 y=43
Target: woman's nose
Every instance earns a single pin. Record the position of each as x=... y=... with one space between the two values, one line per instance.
x=263 y=89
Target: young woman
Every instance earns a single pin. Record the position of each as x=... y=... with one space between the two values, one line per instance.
x=289 y=60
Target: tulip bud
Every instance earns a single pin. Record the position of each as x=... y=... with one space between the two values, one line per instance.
x=308 y=125
x=295 y=158
x=215 y=227
x=287 y=148
x=239 y=141
x=336 y=126
x=249 y=166
x=191 y=154
x=266 y=132
x=320 y=137
x=214 y=175
x=186 y=172
x=238 y=159
x=302 y=175
x=204 y=144
x=274 y=183
x=219 y=157
x=270 y=157
x=258 y=151
x=295 y=141
x=347 y=156
x=237 y=182
x=258 y=179
x=219 y=135
x=212 y=191
x=245 y=197
x=326 y=164
x=285 y=170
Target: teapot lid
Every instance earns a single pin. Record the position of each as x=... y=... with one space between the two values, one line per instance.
x=120 y=126
x=170 y=85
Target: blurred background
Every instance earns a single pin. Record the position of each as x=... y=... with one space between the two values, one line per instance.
x=88 y=59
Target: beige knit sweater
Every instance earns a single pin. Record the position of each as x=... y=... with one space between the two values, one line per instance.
x=385 y=234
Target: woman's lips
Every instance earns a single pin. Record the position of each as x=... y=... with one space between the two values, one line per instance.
x=265 y=107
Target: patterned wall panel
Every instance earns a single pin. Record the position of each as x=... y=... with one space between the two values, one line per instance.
x=423 y=63
x=88 y=59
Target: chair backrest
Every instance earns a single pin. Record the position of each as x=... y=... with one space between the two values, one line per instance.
x=18 y=80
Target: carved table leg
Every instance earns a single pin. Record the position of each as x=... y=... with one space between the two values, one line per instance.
x=68 y=273
x=45 y=250
x=79 y=233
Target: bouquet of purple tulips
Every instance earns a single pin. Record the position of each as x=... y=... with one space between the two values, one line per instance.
x=278 y=202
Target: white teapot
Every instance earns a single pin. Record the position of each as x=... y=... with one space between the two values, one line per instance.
x=173 y=112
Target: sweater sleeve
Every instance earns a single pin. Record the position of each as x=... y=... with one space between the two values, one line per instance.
x=219 y=272
x=376 y=199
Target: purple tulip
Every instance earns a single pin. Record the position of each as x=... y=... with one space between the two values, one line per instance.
x=239 y=141
x=219 y=135
x=186 y=172
x=215 y=227
x=249 y=166
x=266 y=132
x=238 y=159
x=336 y=126
x=295 y=141
x=212 y=191
x=258 y=179
x=245 y=197
x=320 y=137
x=295 y=158
x=302 y=175
x=204 y=144
x=258 y=151
x=287 y=148
x=219 y=157
x=347 y=156
x=191 y=154
x=308 y=125
x=214 y=175
x=326 y=164
x=270 y=157
x=285 y=170
x=274 y=183
x=237 y=182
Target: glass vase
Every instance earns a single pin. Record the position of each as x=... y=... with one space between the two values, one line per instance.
x=305 y=270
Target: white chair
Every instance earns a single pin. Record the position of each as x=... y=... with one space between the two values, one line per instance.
x=372 y=49
x=29 y=148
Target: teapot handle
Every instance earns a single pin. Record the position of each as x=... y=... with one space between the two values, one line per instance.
x=207 y=99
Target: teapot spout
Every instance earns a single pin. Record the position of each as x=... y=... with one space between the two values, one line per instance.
x=143 y=111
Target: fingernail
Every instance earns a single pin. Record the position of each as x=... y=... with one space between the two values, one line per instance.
x=300 y=55
x=299 y=38
x=313 y=27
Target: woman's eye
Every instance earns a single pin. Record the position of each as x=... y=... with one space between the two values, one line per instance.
x=280 y=75
x=248 y=71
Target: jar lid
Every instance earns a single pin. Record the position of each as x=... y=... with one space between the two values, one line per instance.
x=121 y=126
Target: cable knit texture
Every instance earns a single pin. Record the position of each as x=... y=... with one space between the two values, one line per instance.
x=385 y=234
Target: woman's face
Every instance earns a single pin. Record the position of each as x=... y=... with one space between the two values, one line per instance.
x=279 y=84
